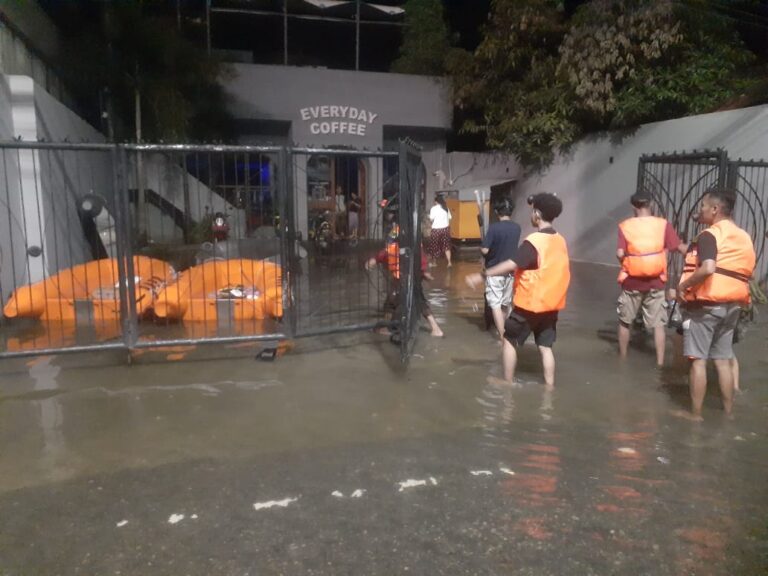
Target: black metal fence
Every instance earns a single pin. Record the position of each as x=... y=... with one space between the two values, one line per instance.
x=677 y=182
x=130 y=246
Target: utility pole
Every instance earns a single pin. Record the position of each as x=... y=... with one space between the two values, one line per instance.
x=285 y=32
x=357 y=35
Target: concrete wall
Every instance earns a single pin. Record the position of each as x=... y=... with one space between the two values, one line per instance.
x=597 y=177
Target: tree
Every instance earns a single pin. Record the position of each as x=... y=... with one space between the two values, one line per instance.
x=632 y=61
x=509 y=87
x=425 y=39
x=539 y=81
x=148 y=66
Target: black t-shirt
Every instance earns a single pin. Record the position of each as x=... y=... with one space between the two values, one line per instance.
x=501 y=240
x=706 y=247
x=527 y=256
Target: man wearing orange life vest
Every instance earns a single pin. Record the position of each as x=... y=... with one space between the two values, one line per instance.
x=713 y=288
x=642 y=251
x=542 y=274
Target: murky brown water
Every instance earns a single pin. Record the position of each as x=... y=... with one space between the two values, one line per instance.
x=595 y=477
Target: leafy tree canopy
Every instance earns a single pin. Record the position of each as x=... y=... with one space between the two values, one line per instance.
x=425 y=39
x=128 y=50
x=539 y=79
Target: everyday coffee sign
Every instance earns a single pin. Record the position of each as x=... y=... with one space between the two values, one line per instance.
x=332 y=119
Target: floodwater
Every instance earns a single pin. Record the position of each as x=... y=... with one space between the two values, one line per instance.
x=333 y=460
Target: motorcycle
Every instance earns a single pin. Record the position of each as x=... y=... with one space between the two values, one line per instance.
x=321 y=232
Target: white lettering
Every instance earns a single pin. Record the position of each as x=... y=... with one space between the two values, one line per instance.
x=361 y=129
x=325 y=128
x=353 y=128
x=343 y=111
x=343 y=126
x=334 y=111
x=305 y=113
x=372 y=117
x=314 y=128
x=324 y=111
x=334 y=127
x=363 y=116
x=353 y=112
x=315 y=111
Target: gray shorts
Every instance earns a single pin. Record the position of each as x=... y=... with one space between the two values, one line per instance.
x=498 y=291
x=708 y=331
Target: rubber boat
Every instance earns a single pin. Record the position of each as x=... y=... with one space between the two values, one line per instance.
x=61 y=297
x=222 y=290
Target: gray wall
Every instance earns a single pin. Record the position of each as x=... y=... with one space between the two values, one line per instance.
x=595 y=190
x=597 y=177
x=299 y=94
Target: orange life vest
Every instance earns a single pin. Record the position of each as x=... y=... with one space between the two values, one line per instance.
x=734 y=266
x=544 y=289
x=393 y=258
x=645 y=256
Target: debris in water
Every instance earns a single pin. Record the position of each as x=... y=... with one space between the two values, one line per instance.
x=507 y=471
x=175 y=518
x=337 y=494
x=272 y=503
x=122 y=523
x=738 y=438
x=415 y=483
x=357 y=493
x=481 y=473
x=663 y=460
x=194 y=516
x=627 y=450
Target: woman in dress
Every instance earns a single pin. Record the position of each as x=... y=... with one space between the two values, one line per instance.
x=440 y=237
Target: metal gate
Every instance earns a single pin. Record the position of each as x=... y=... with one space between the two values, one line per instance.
x=108 y=246
x=411 y=209
x=678 y=181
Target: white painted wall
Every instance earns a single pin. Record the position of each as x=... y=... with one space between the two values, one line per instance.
x=597 y=177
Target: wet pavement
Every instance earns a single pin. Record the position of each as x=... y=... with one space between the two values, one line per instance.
x=332 y=460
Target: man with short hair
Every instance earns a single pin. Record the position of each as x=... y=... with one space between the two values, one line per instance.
x=500 y=244
x=713 y=288
x=642 y=251
x=542 y=274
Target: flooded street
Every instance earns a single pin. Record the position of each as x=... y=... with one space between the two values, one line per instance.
x=332 y=460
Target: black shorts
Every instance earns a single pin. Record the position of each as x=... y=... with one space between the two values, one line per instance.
x=521 y=323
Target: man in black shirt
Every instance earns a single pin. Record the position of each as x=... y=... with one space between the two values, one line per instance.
x=500 y=244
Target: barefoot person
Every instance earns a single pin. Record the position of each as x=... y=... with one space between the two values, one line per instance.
x=713 y=288
x=643 y=243
x=542 y=275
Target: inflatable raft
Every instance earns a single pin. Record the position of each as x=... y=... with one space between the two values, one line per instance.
x=223 y=290
x=90 y=288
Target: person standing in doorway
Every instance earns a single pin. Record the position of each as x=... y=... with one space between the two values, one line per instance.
x=340 y=215
x=642 y=249
x=713 y=289
x=440 y=237
x=542 y=275
x=499 y=245
x=353 y=210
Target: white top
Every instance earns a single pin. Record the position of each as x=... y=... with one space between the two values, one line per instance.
x=440 y=218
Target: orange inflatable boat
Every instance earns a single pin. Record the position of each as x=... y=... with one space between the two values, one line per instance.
x=240 y=288
x=96 y=283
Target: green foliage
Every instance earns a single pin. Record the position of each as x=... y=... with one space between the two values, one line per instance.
x=538 y=82
x=181 y=97
x=510 y=88
x=425 y=39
